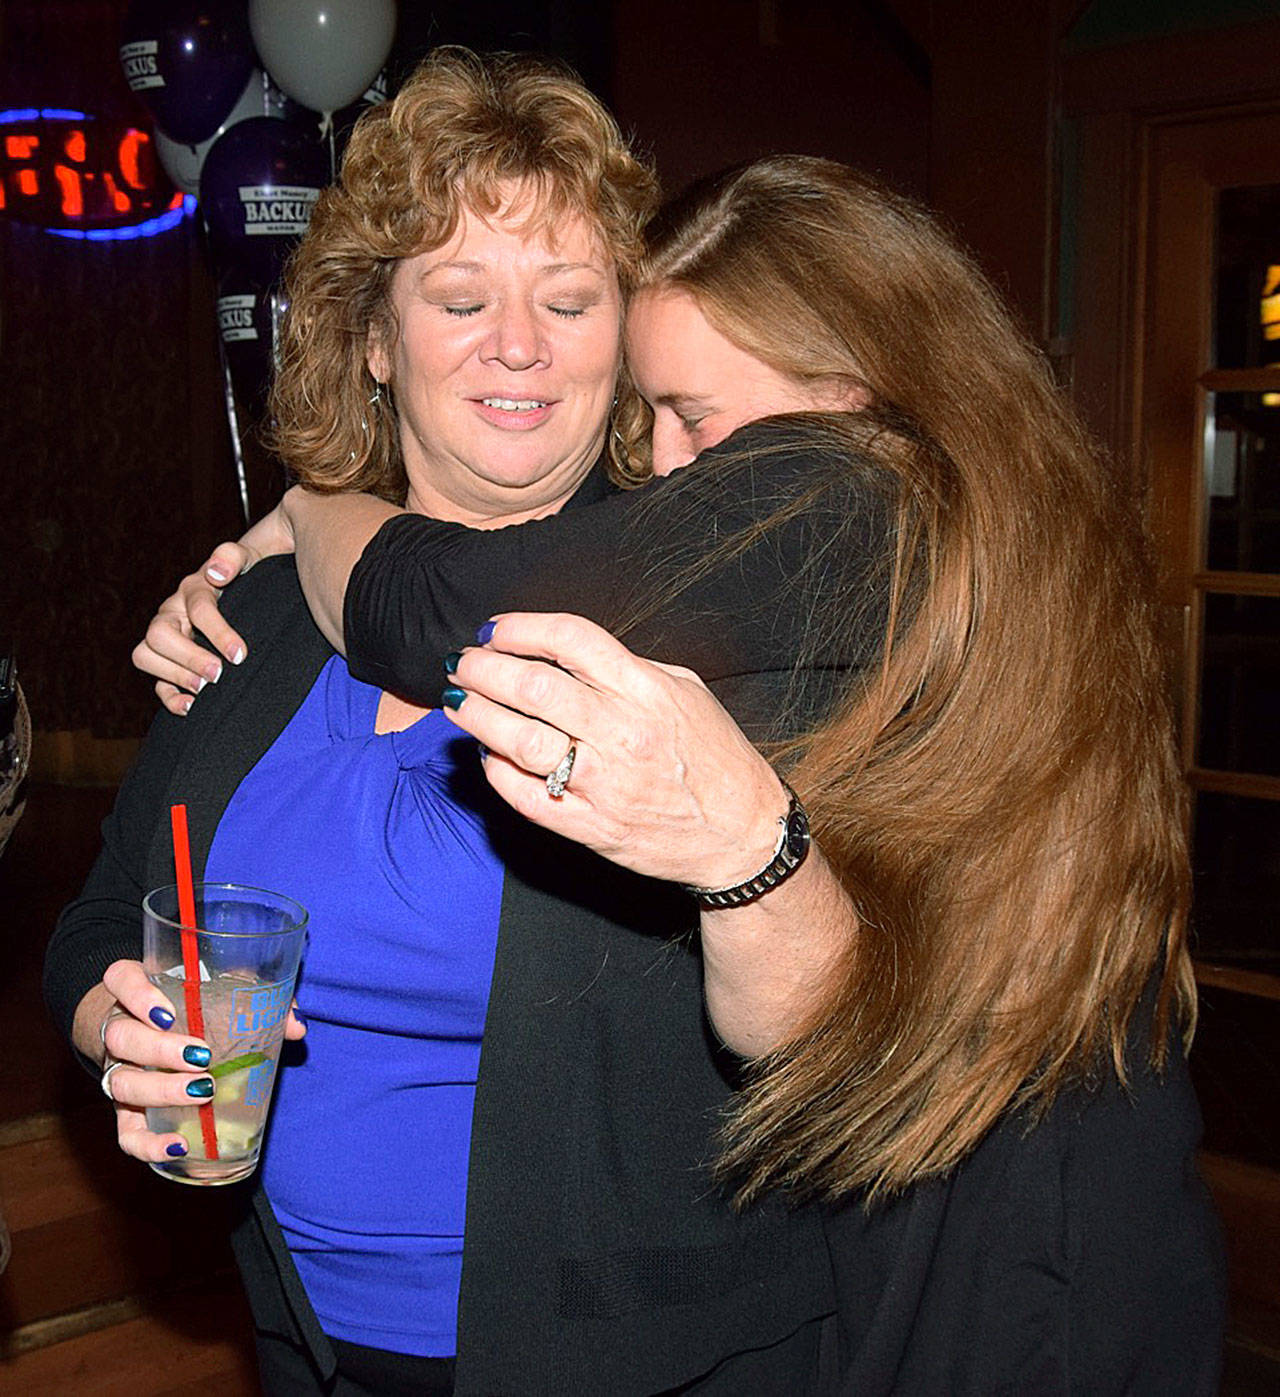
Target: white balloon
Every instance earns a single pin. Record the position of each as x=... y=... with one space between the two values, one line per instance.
x=183 y=163
x=323 y=53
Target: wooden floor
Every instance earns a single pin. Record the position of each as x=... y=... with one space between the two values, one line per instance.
x=121 y=1282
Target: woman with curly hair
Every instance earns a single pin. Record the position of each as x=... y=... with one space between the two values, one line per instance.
x=454 y=345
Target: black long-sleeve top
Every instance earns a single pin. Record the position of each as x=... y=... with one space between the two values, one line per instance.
x=775 y=622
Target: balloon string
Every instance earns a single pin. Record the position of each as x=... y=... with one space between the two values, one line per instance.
x=233 y=422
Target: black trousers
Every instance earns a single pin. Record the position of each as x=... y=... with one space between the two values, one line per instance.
x=362 y=1372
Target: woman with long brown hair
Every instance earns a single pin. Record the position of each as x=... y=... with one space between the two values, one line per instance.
x=981 y=1086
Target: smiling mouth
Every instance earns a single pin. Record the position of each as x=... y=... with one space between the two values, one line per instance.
x=514 y=404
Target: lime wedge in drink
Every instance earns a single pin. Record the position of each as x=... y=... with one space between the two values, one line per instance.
x=237 y=1064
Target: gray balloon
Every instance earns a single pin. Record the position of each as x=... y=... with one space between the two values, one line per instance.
x=183 y=163
x=323 y=53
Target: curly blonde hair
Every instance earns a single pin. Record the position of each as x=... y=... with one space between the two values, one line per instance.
x=461 y=128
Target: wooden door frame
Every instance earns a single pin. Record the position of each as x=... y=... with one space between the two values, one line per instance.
x=1114 y=97
x=1186 y=161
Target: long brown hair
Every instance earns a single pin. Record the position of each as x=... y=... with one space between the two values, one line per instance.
x=460 y=129
x=1001 y=798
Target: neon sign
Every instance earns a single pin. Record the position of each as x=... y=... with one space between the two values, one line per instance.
x=78 y=177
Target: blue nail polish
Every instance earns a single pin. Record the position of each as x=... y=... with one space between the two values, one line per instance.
x=176 y=1150
x=485 y=634
x=453 y=698
x=162 y=1018
x=451 y=661
x=300 y=1016
x=202 y=1087
x=483 y=750
x=195 y=1056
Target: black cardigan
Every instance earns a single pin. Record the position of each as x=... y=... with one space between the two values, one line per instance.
x=598 y=1256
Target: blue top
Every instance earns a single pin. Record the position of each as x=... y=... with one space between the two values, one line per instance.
x=382 y=839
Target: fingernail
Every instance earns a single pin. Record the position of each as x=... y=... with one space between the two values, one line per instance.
x=213 y=672
x=215 y=575
x=176 y=1150
x=186 y=705
x=195 y=1056
x=300 y=1016
x=484 y=751
x=453 y=698
x=451 y=661
x=202 y=1087
x=200 y=683
x=237 y=655
x=162 y=1018
x=485 y=634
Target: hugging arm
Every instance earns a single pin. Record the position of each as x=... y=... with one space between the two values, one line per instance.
x=328 y=532
x=686 y=575
x=665 y=781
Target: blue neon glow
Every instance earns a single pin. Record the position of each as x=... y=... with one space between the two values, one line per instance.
x=160 y=224
x=35 y=113
x=170 y=218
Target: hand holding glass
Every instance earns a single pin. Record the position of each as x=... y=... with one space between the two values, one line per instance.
x=249 y=944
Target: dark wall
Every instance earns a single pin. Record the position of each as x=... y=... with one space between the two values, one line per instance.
x=709 y=83
x=116 y=465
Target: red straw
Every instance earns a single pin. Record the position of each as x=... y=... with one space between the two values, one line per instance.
x=191 y=957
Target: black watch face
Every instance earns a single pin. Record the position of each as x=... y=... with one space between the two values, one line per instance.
x=797 y=834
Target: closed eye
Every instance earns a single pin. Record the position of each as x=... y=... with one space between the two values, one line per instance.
x=462 y=310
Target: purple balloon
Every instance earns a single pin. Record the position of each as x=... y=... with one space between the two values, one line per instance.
x=259 y=184
x=189 y=61
x=245 y=326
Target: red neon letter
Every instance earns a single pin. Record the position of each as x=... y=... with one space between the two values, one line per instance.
x=74 y=146
x=127 y=157
x=119 y=200
x=69 y=184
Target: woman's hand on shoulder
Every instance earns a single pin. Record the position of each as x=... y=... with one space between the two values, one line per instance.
x=663 y=782
x=126 y=1020
x=168 y=652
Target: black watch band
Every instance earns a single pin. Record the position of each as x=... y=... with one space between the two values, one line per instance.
x=793 y=848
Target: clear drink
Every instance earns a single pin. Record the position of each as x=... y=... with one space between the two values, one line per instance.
x=248 y=944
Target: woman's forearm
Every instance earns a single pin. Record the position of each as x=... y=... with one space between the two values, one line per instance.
x=767 y=965
x=331 y=532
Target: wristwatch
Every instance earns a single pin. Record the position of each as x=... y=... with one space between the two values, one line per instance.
x=793 y=847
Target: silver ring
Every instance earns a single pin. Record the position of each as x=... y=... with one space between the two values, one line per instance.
x=558 y=780
x=115 y=1012
x=105 y=1082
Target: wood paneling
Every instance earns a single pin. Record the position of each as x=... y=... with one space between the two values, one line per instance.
x=1234 y=64
x=990 y=141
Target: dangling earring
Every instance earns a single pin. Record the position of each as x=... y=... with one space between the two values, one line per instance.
x=364 y=421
